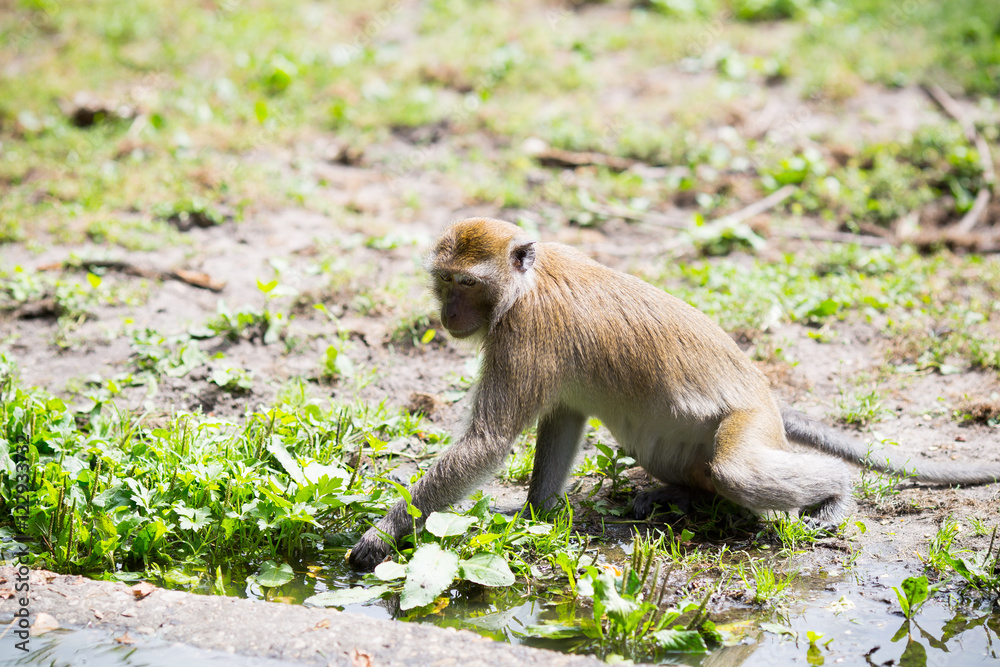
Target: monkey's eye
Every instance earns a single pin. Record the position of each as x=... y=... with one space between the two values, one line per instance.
x=445 y=277
x=466 y=281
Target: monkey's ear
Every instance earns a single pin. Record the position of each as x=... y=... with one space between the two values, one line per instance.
x=523 y=256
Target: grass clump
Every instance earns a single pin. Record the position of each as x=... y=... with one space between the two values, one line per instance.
x=112 y=494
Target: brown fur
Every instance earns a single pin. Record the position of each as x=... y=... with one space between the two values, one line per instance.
x=565 y=338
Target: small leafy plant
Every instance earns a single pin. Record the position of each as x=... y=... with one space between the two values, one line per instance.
x=467 y=547
x=912 y=594
x=763 y=582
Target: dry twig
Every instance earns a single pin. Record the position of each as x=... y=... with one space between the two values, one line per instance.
x=952 y=108
x=193 y=278
x=557 y=157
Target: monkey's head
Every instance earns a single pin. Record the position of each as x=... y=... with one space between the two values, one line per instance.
x=479 y=268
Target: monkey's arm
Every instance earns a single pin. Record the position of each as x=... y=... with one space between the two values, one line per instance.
x=497 y=419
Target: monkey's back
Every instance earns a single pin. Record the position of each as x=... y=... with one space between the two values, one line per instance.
x=629 y=339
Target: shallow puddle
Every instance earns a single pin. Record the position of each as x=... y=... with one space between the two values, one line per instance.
x=855 y=629
x=853 y=625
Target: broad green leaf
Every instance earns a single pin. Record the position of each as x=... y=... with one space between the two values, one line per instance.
x=291 y=466
x=915 y=589
x=191 y=518
x=775 y=628
x=346 y=596
x=446 y=524
x=825 y=308
x=914 y=655
x=314 y=471
x=180 y=578
x=274 y=574
x=681 y=641
x=390 y=570
x=487 y=569
x=483 y=539
x=904 y=604
x=428 y=574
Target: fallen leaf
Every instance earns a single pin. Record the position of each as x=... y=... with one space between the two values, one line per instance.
x=198 y=279
x=325 y=623
x=142 y=589
x=125 y=639
x=361 y=659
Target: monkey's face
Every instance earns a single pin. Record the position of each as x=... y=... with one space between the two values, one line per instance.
x=465 y=303
x=479 y=268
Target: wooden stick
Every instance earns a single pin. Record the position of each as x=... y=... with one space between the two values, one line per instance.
x=719 y=224
x=832 y=237
x=822 y=235
x=193 y=278
x=557 y=157
x=952 y=108
x=755 y=208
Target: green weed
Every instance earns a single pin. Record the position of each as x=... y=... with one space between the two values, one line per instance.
x=861 y=407
x=763 y=583
x=628 y=623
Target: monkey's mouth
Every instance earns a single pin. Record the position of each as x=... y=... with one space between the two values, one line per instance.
x=464 y=333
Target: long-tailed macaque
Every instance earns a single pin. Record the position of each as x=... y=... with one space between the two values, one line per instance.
x=565 y=338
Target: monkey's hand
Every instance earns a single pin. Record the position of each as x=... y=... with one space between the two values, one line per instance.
x=370 y=550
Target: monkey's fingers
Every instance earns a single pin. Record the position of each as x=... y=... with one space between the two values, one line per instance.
x=367 y=553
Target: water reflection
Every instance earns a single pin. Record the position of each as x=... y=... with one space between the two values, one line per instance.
x=94 y=648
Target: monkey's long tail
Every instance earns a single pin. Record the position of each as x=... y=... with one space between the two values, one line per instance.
x=804 y=430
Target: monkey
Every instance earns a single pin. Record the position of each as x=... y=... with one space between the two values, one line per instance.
x=564 y=338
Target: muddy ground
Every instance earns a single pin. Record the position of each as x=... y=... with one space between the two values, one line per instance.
x=395 y=368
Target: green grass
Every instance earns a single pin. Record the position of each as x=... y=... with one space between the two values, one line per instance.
x=905 y=295
x=235 y=79
x=114 y=494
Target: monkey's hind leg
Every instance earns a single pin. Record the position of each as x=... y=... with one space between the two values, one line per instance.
x=559 y=433
x=753 y=469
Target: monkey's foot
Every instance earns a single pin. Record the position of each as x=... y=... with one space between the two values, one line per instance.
x=370 y=550
x=645 y=503
x=828 y=515
x=820 y=525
